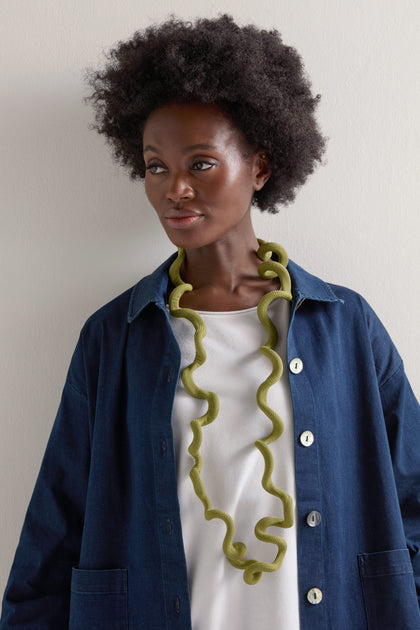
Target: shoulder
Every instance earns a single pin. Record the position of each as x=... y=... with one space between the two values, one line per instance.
x=113 y=314
x=119 y=312
x=105 y=331
x=306 y=286
x=103 y=338
x=344 y=317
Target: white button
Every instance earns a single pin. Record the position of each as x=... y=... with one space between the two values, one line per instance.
x=313 y=519
x=307 y=438
x=314 y=596
x=296 y=365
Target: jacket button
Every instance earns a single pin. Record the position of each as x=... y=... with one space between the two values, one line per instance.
x=314 y=596
x=163 y=448
x=306 y=438
x=167 y=526
x=313 y=519
x=296 y=365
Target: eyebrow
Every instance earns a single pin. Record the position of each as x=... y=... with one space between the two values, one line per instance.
x=192 y=147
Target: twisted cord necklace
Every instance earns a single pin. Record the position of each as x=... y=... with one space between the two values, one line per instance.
x=235 y=551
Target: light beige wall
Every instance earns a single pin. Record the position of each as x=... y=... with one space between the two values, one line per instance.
x=75 y=231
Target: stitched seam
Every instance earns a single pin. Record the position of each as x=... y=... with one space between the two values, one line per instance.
x=81 y=592
x=74 y=388
x=391 y=376
x=386 y=574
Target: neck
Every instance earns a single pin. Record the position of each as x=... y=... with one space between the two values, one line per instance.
x=224 y=275
x=225 y=264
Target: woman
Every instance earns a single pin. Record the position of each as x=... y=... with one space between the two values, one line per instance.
x=201 y=472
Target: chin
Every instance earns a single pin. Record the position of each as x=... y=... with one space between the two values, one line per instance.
x=187 y=239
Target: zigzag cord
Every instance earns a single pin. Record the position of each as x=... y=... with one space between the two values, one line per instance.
x=235 y=551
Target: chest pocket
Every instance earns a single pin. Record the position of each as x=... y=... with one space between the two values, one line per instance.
x=98 y=600
x=388 y=590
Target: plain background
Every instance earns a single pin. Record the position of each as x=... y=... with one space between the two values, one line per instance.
x=75 y=231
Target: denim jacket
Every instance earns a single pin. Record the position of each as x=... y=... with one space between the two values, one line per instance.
x=101 y=546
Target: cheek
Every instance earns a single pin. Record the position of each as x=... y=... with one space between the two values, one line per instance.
x=240 y=186
x=234 y=183
x=240 y=175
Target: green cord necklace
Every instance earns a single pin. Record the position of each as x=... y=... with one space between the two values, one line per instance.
x=235 y=551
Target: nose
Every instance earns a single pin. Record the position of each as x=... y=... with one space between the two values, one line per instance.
x=180 y=188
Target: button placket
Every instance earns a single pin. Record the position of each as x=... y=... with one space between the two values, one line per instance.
x=310 y=551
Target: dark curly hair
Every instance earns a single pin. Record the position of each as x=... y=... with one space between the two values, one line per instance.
x=256 y=80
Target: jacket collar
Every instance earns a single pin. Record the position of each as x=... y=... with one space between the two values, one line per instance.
x=153 y=288
x=305 y=286
x=150 y=289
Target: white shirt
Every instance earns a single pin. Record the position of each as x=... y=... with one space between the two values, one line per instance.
x=232 y=472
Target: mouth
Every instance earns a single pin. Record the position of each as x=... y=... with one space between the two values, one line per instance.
x=180 y=219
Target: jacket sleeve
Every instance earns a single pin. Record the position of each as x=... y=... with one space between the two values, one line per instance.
x=402 y=416
x=38 y=590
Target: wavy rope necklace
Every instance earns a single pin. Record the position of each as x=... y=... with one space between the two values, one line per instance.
x=235 y=551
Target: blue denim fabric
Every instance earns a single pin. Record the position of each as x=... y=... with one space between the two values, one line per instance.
x=101 y=545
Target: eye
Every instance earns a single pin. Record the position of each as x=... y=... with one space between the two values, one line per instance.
x=155 y=169
x=202 y=165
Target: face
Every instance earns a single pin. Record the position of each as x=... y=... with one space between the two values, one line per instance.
x=200 y=173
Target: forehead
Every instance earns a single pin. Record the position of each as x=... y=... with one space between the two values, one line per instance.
x=188 y=124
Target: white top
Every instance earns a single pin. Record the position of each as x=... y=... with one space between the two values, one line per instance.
x=232 y=472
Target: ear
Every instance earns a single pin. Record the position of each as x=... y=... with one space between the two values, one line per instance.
x=262 y=169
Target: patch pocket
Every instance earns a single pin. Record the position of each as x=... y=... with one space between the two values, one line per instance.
x=99 y=599
x=389 y=592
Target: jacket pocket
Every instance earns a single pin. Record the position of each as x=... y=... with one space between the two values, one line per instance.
x=389 y=592
x=98 y=599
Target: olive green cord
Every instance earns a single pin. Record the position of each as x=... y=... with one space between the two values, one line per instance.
x=235 y=551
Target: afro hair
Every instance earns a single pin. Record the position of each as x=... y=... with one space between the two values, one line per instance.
x=256 y=80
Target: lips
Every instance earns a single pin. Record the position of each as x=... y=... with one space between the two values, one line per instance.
x=181 y=218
